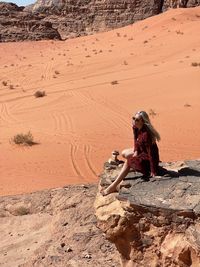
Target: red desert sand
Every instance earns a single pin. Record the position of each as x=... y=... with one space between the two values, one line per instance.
x=93 y=86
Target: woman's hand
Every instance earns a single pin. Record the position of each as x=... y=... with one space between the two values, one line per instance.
x=135 y=154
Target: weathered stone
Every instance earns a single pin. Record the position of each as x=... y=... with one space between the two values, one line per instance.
x=155 y=222
x=73 y=18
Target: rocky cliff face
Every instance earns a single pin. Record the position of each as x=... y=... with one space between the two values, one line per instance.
x=18 y=25
x=62 y=19
x=154 y=223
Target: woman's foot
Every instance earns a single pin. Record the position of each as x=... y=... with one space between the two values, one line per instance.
x=107 y=191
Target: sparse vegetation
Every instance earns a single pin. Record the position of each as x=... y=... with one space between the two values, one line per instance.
x=11 y=86
x=152 y=112
x=40 y=94
x=174 y=19
x=145 y=41
x=179 y=32
x=195 y=64
x=114 y=82
x=125 y=62
x=187 y=105
x=118 y=34
x=24 y=139
x=4 y=83
x=57 y=72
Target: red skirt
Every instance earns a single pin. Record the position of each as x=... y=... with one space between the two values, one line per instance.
x=140 y=164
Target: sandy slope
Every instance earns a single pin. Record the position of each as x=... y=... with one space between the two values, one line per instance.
x=84 y=117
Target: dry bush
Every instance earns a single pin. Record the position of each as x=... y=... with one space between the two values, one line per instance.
x=4 y=83
x=23 y=139
x=40 y=94
x=57 y=72
x=11 y=86
x=187 y=105
x=152 y=112
x=114 y=82
x=179 y=32
x=195 y=64
x=145 y=41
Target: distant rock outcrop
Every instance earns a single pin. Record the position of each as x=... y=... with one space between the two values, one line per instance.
x=18 y=25
x=63 y=19
x=154 y=223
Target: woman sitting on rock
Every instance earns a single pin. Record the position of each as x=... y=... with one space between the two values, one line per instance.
x=144 y=157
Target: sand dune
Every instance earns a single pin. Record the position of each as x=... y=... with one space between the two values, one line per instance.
x=84 y=116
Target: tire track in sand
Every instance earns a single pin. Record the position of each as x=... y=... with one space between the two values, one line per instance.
x=87 y=151
x=73 y=149
x=6 y=115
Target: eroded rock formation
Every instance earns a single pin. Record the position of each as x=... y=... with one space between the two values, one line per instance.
x=154 y=223
x=54 y=227
x=17 y=25
x=62 y=19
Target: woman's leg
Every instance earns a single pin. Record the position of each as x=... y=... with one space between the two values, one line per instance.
x=112 y=188
x=126 y=153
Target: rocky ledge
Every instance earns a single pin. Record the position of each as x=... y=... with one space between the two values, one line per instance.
x=153 y=222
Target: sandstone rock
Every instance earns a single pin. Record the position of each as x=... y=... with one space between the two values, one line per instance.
x=18 y=25
x=54 y=232
x=155 y=223
x=57 y=19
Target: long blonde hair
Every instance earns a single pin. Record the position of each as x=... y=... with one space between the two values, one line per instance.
x=154 y=134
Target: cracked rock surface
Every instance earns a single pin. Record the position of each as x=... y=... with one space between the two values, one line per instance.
x=154 y=222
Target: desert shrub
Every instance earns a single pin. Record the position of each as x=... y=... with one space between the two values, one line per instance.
x=179 y=32
x=57 y=72
x=152 y=112
x=187 y=105
x=40 y=94
x=195 y=64
x=114 y=82
x=11 y=86
x=4 y=83
x=24 y=139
